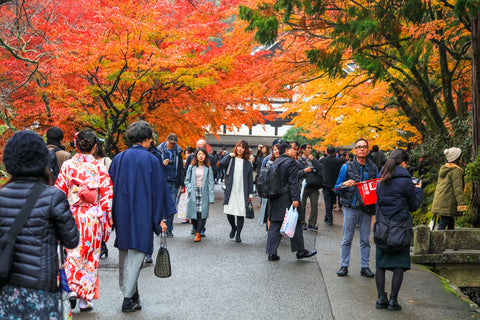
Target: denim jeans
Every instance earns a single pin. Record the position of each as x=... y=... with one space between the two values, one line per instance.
x=173 y=192
x=351 y=217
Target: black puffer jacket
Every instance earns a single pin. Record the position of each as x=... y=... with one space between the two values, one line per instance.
x=36 y=263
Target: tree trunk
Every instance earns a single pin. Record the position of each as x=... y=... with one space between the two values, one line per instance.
x=476 y=109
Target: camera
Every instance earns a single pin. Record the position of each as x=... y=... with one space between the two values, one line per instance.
x=415 y=180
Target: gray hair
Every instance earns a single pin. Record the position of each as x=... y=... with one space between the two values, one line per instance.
x=201 y=143
x=138 y=132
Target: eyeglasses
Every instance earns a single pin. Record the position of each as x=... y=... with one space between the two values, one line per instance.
x=361 y=147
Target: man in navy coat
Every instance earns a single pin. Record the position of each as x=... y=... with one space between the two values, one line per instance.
x=141 y=201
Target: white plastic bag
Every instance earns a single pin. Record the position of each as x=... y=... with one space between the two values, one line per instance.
x=289 y=222
x=182 y=206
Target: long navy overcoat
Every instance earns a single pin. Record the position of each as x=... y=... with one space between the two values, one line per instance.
x=140 y=199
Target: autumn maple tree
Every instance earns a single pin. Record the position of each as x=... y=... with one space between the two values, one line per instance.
x=184 y=66
x=419 y=50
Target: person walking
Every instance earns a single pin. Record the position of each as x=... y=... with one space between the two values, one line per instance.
x=31 y=289
x=102 y=158
x=449 y=200
x=359 y=169
x=308 y=165
x=56 y=150
x=288 y=171
x=200 y=186
x=397 y=196
x=173 y=165
x=89 y=192
x=137 y=173
x=238 y=188
x=331 y=168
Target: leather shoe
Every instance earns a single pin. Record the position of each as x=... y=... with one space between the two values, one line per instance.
x=273 y=257
x=366 y=272
x=306 y=254
x=342 y=272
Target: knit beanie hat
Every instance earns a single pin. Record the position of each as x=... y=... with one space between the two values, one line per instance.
x=25 y=155
x=452 y=154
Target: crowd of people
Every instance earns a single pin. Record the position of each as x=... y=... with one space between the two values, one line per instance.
x=85 y=195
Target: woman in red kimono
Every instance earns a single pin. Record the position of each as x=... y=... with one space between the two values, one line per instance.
x=89 y=192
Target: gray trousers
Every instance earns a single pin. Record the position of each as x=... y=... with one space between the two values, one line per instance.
x=313 y=194
x=274 y=237
x=129 y=266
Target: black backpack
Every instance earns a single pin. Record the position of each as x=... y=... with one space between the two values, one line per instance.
x=53 y=164
x=269 y=181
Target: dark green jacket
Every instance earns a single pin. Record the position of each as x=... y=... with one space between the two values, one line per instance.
x=449 y=199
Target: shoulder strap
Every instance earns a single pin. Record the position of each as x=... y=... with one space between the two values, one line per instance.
x=229 y=165
x=25 y=211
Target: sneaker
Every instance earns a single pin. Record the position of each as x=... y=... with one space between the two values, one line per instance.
x=202 y=233
x=148 y=258
x=130 y=306
x=169 y=234
x=193 y=230
x=312 y=227
x=185 y=221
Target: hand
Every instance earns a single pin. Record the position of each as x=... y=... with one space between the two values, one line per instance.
x=349 y=183
x=165 y=162
x=309 y=169
x=163 y=225
x=419 y=184
x=295 y=204
x=232 y=155
x=311 y=157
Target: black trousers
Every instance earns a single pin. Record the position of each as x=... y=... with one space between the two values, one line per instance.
x=274 y=237
x=199 y=223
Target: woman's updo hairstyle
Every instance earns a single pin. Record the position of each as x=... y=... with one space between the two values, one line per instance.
x=396 y=157
x=86 y=140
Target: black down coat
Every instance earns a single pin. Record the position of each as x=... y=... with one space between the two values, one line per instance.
x=35 y=264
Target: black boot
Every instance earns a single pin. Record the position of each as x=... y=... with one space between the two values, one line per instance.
x=393 y=303
x=382 y=301
x=103 y=250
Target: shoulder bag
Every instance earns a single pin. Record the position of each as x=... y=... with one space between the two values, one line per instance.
x=163 y=269
x=7 y=241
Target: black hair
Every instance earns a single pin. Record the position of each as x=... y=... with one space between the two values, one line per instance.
x=284 y=146
x=305 y=145
x=361 y=139
x=86 y=140
x=54 y=135
x=375 y=148
x=99 y=152
x=138 y=132
x=330 y=150
x=396 y=157
x=195 y=159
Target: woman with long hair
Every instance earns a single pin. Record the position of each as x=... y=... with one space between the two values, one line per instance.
x=200 y=186
x=397 y=196
x=238 y=187
x=31 y=291
x=89 y=192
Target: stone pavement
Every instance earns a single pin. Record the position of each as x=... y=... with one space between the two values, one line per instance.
x=221 y=279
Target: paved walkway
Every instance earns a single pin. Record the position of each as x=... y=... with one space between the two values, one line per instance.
x=220 y=279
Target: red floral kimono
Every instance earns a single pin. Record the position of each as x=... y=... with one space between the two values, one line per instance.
x=89 y=191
